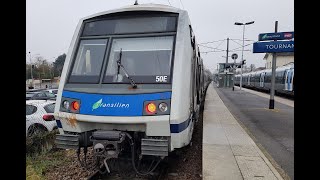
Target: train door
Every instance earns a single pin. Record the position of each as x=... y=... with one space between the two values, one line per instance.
x=292 y=79
x=262 y=75
x=289 y=80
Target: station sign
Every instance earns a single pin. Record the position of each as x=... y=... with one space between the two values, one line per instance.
x=276 y=36
x=273 y=46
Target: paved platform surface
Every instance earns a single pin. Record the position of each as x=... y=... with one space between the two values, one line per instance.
x=228 y=151
x=278 y=99
x=271 y=129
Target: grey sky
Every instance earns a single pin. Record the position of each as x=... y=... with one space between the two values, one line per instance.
x=50 y=24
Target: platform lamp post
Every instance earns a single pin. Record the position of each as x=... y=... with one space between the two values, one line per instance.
x=244 y=25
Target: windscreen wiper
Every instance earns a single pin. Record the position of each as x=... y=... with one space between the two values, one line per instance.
x=124 y=70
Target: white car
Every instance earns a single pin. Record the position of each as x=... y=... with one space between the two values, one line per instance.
x=52 y=91
x=39 y=116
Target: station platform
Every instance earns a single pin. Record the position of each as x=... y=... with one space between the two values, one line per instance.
x=277 y=99
x=228 y=150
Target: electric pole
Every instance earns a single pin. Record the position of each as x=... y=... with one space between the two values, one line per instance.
x=31 y=69
x=227 y=50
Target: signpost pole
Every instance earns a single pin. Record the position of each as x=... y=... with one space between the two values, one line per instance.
x=234 y=57
x=242 y=56
x=274 y=47
x=227 y=50
x=274 y=56
x=234 y=73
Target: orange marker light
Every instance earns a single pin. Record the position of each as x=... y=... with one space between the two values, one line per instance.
x=75 y=105
x=151 y=108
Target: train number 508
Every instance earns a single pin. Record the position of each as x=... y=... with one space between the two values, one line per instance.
x=161 y=78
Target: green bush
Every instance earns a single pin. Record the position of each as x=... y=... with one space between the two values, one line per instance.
x=38 y=165
x=41 y=142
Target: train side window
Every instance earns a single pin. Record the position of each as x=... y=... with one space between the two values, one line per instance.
x=283 y=76
x=278 y=77
x=290 y=78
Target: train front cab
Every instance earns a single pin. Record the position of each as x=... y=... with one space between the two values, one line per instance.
x=105 y=98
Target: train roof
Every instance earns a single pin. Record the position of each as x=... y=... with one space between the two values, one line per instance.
x=140 y=7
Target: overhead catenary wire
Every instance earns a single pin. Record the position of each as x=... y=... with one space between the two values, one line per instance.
x=210 y=47
x=182 y=4
x=219 y=45
x=242 y=40
x=241 y=47
x=240 y=50
x=216 y=49
x=211 y=51
x=213 y=41
x=291 y=12
x=236 y=42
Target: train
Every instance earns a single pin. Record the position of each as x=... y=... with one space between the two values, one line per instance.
x=261 y=80
x=133 y=85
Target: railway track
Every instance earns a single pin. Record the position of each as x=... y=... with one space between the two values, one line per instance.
x=160 y=173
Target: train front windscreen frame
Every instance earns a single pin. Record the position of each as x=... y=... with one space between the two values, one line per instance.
x=98 y=49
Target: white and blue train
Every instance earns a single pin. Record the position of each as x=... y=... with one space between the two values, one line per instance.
x=133 y=81
x=261 y=80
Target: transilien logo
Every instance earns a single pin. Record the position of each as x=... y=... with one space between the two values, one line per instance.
x=97 y=104
x=265 y=36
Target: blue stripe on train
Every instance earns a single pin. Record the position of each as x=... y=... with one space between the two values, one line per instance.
x=119 y=105
x=59 y=123
x=177 y=128
x=113 y=104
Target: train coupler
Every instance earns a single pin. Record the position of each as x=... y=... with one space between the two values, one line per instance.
x=107 y=144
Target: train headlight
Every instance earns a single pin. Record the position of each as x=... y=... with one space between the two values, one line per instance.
x=163 y=107
x=75 y=105
x=151 y=108
x=66 y=104
x=156 y=107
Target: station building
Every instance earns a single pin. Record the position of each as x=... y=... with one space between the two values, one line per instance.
x=282 y=59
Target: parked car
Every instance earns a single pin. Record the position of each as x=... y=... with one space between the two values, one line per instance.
x=52 y=91
x=34 y=90
x=42 y=95
x=39 y=116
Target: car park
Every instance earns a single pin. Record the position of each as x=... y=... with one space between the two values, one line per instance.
x=42 y=95
x=52 y=91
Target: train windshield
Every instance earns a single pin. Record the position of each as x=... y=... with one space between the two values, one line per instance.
x=146 y=44
x=87 y=65
x=145 y=59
